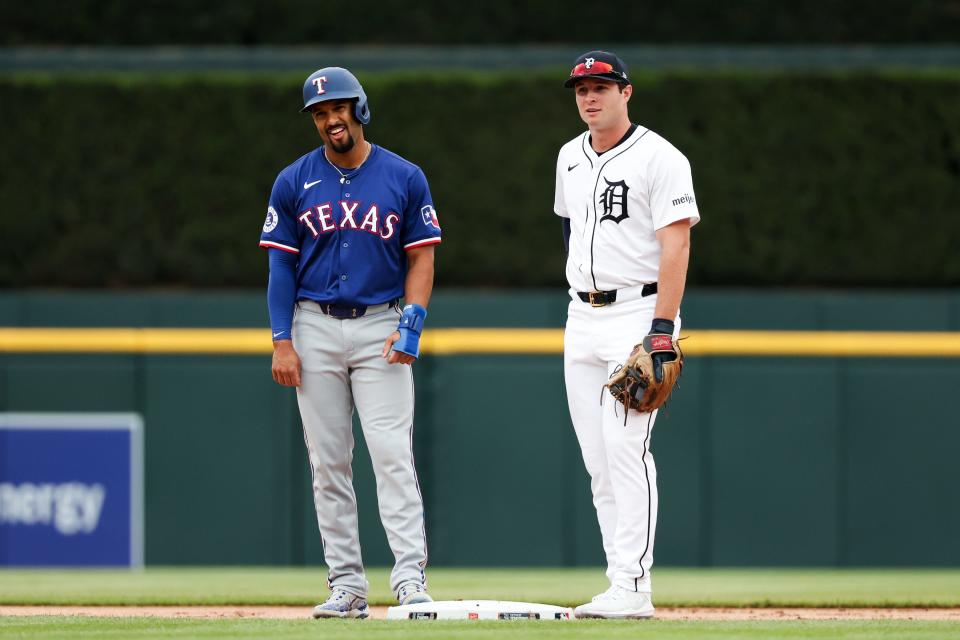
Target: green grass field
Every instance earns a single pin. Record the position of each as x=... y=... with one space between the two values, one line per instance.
x=305 y=586
x=60 y=627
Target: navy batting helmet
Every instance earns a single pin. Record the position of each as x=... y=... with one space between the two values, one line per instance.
x=336 y=83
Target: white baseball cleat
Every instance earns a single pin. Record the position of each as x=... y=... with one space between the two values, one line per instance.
x=604 y=595
x=413 y=593
x=342 y=604
x=617 y=602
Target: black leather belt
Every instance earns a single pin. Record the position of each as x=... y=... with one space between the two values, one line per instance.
x=340 y=311
x=337 y=311
x=603 y=298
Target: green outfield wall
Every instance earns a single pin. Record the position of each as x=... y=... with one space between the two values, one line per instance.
x=831 y=460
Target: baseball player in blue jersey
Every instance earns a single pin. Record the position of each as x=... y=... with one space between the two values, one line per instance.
x=350 y=230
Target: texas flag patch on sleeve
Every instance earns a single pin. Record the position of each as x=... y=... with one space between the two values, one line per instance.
x=430 y=216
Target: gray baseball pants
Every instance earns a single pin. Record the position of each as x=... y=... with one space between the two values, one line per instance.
x=342 y=368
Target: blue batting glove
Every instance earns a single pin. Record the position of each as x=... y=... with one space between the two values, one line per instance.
x=411 y=324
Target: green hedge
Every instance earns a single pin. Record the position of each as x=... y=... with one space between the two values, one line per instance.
x=401 y=22
x=801 y=180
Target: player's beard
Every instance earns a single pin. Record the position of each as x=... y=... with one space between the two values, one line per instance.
x=345 y=146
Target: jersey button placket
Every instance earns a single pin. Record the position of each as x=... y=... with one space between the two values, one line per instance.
x=346 y=325
x=343 y=243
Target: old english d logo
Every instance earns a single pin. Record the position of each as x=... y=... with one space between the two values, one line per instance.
x=614 y=201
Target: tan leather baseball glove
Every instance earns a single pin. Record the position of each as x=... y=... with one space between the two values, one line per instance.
x=644 y=382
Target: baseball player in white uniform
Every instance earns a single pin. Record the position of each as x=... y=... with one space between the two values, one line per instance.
x=625 y=196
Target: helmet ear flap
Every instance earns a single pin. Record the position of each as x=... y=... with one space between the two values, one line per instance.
x=361 y=109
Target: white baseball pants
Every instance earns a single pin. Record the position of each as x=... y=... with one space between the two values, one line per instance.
x=617 y=456
x=342 y=367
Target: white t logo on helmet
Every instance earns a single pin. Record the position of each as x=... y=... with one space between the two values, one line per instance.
x=319 y=84
x=588 y=62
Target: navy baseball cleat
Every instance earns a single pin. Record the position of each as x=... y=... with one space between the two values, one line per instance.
x=342 y=604
x=413 y=593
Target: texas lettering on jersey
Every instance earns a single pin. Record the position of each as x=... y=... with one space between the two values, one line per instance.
x=351 y=229
x=321 y=219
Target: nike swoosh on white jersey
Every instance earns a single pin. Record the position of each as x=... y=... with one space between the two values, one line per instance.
x=307 y=185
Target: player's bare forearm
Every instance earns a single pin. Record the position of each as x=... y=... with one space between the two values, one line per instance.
x=675 y=256
x=419 y=282
x=286 y=363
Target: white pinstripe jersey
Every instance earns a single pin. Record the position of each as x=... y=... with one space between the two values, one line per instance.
x=616 y=202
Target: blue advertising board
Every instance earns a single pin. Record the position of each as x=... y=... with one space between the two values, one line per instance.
x=71 y=489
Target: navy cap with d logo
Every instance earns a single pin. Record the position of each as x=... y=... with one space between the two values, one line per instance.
x=601 y=65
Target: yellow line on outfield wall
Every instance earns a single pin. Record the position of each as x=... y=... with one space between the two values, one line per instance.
x=440 y=341
x=134 y=340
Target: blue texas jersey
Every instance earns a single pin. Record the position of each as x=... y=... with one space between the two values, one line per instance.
x=351 y=230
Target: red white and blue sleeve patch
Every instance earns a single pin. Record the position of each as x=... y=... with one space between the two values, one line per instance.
x=430 y=223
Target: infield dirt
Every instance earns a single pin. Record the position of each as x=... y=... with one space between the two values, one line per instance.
x=663 y=613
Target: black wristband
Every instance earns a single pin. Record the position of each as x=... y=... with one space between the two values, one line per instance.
x=662 y=325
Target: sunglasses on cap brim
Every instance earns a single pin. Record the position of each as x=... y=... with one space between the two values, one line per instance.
x=597 y=68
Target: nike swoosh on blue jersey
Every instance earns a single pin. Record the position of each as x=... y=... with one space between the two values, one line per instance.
x=307 y=185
